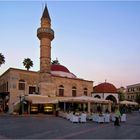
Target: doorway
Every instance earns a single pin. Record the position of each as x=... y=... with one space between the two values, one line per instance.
x=32 y=89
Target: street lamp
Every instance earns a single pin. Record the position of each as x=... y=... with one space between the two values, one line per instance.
x=22 y=103
x=20 y=107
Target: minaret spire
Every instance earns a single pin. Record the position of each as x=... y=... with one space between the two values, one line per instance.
x=46 y=13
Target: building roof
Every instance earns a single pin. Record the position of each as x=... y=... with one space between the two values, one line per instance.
x=46 y=13
x=55 y=74
x=134 y=85
x=105 y=88
x=58 y=67
x=60 y=70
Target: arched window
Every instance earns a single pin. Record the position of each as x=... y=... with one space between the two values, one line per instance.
x=21 y=85
x=128 y=97
x=85 y=91
x=61 y=90
x=74 y=91
x=97 y=96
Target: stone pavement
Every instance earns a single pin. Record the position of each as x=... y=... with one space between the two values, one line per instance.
x=51 y=127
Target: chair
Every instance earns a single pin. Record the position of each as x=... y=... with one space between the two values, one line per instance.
x=69 y=116
x=100 y=119
x=60 y=114
x=74 y=119
x=83 y=117
x=123 y=118
x=89 y=117
x=107 y=117
x=95 y=117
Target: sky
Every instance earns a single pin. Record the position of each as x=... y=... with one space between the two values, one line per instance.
x=95 y=40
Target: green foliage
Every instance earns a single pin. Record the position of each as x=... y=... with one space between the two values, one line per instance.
x=121 y=97
x=2 y=59
x=138 y=99
x=28 y=63
x=55 y=62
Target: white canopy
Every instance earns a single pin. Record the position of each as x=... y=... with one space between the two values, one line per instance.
x=84 y=99
x=125 y=102
x=40 y=99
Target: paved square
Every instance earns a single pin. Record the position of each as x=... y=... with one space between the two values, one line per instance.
x=51 y=127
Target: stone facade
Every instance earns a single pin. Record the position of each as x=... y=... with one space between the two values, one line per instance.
x=69 y=83
x=12 y=77
x=132 y=92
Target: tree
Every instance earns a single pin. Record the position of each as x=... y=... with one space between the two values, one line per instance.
x=138 y=98
x=121 y=93
x=2 y=59
x=121 y=96
x=28 y=63
x=55 y=62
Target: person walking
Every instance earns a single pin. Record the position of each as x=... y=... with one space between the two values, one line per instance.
x=117 y=117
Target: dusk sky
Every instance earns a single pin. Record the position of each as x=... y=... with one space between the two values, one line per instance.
x=95 y=40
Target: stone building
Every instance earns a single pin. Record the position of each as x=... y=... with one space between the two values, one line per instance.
x=51 y=80
x=106 y=91
x=133 y=92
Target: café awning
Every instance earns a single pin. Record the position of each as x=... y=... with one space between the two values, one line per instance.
x=125 y=102
x=39 y=99
x=84 y=99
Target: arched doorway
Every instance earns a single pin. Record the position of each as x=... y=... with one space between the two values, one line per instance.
x=113 y=99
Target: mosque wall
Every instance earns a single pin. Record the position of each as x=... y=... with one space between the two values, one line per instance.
x=69 y=83
x=12 y=78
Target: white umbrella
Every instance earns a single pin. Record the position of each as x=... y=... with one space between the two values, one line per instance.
x=84 y=99
x=125 y=102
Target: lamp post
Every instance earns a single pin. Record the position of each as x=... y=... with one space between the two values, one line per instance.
x=22 y=95
x=22 y=101
x=20 y=107
x=6 y=103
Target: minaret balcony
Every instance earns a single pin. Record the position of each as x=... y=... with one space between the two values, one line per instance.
x=45 y=32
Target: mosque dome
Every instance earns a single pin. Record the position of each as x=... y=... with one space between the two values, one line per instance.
x=56 y=67
x=60 y=70
x=105 y=88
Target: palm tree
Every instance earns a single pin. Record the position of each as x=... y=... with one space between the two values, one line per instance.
x=56 y=62
x=2 y=59
x=28 y=63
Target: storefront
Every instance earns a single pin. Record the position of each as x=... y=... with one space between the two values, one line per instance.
x=4 y=98
x=42 y=108
x=41 y=104
x=36 y=104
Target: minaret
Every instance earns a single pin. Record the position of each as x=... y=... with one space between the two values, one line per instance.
x=45 y=35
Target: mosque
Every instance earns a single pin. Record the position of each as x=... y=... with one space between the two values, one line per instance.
x=52 y=80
